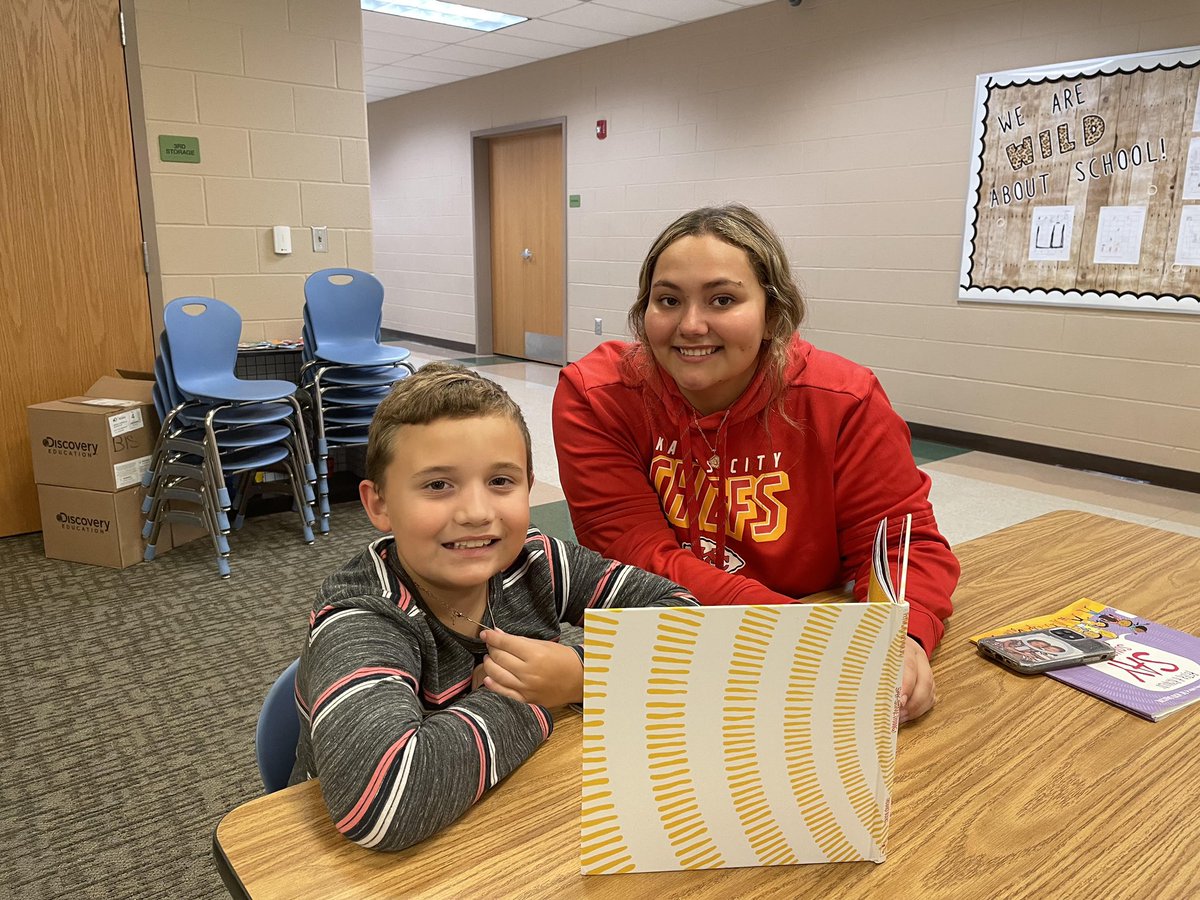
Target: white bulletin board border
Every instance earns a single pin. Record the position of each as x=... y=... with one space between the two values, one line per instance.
x=1068 y=241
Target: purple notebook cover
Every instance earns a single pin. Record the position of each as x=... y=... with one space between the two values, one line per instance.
x=1155 y=672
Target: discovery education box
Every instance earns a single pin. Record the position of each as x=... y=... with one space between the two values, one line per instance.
x=103 y=528
x=101 y=441
x=89 y=453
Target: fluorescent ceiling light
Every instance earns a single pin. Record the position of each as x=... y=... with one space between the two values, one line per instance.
x=444 y=13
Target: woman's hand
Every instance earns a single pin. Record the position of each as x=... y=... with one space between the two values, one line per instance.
x=531 y=670
x=917 y=693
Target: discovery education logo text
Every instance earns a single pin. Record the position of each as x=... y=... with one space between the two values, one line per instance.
x=60 y=447
x=83 y=523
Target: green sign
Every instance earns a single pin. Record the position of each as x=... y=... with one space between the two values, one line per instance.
x=573 y=201
x=173 y=148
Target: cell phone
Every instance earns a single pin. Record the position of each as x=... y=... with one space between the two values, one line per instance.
x=1031 y=652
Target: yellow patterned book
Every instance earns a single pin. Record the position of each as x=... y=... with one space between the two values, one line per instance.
x=726 y=736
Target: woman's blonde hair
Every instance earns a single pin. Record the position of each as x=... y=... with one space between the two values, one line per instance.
x=438 y=391
x=742 y=227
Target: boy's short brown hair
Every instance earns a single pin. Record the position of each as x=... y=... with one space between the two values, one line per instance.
x=438 y=391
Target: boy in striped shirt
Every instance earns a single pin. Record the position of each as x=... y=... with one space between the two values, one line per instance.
x=434 y=656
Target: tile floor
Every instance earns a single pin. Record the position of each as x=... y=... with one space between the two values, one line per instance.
x=973 y=493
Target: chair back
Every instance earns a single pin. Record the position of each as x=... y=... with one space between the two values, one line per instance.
x=203 y=335
x=278 y=731
x=163 y=377
x=337 y=312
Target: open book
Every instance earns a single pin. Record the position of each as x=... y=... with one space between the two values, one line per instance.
x=727 y=736
x=1156 y=670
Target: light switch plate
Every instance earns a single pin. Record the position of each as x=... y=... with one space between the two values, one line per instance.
x=320 y=238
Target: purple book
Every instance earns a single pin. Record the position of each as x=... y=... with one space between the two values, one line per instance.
x=1156 y=670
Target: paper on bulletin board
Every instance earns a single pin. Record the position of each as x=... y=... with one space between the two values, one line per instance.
x=1187 y=247
x=717 y=737
x=1191 y=174
x=1050 y=232
x=1119 y=232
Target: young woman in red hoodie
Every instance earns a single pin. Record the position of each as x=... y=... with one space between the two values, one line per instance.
x=727 y=454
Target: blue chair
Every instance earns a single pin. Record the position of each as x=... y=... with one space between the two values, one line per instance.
x=347 y=371
x=278 y=731
x=218 y=428
x=344 y=319
x=203 y=335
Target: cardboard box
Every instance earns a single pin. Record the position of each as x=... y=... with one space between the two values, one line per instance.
x=101 y=441
x=103 y=528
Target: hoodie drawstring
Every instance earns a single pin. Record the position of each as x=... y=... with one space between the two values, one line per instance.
x=693 y=490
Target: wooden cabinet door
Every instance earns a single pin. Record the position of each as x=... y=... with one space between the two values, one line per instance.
x=73 y=298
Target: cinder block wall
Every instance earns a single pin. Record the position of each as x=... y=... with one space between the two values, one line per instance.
x=848 y=124
x=273 y=89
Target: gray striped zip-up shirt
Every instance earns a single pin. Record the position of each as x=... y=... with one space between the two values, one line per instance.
x=388 y=720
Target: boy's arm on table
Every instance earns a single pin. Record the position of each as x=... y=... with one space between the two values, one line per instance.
x=392 y=774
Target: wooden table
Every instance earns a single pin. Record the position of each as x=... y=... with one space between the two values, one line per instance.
x=1011 y=787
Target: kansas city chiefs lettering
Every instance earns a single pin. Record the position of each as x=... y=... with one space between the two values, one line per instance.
x=755 y=511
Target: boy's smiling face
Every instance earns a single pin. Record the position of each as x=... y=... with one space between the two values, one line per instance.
x=456 y=498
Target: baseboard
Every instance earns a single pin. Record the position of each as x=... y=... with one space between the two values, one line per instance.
x=1179 y=479
x=391 y=334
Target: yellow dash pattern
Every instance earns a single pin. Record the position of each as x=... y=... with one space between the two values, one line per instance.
x=743 y=773
x=798 y=736
x=671 y=778
x=860 y=789
x=602 y=847
x=887 y=717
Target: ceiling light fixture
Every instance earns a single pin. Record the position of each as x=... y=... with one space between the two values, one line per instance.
x=444 y=13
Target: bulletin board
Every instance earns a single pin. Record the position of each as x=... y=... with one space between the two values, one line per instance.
x=1085 y=185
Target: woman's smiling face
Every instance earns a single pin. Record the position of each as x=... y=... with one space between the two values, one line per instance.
x=706 y=319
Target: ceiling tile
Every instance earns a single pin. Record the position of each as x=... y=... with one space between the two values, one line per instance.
x=679 y=10
x=571 y=36
x=468 y=53
x=405 y=73
x=508 y=43
x=433 y=31
x=597 y=17
x=448 y=66
x=402 y=55
x=384 y=40
x=374 y=57
x=531 y=9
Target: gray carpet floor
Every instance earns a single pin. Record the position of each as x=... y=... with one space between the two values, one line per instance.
x=130 y=700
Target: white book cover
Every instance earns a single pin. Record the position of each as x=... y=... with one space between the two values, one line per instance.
x=718 y=737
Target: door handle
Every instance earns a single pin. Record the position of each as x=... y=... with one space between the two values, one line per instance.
x=527 y=255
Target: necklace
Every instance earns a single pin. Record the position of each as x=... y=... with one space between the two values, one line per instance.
x=487 y=605
x=448 y=609
x=714 y=461
x=457 y=614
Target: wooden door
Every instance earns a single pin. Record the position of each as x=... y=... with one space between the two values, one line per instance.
x=73 y=297
x=527 y=210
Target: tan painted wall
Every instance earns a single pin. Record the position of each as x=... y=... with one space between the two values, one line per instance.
x=847 y=122
x=274 y=91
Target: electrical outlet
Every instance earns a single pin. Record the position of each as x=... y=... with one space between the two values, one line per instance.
x=599 y=326
x=320 y=238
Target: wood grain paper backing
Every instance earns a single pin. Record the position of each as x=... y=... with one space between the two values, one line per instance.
x=719 y=737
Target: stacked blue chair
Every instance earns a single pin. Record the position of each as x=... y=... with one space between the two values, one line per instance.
x=347 y=370
x=218 y=428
